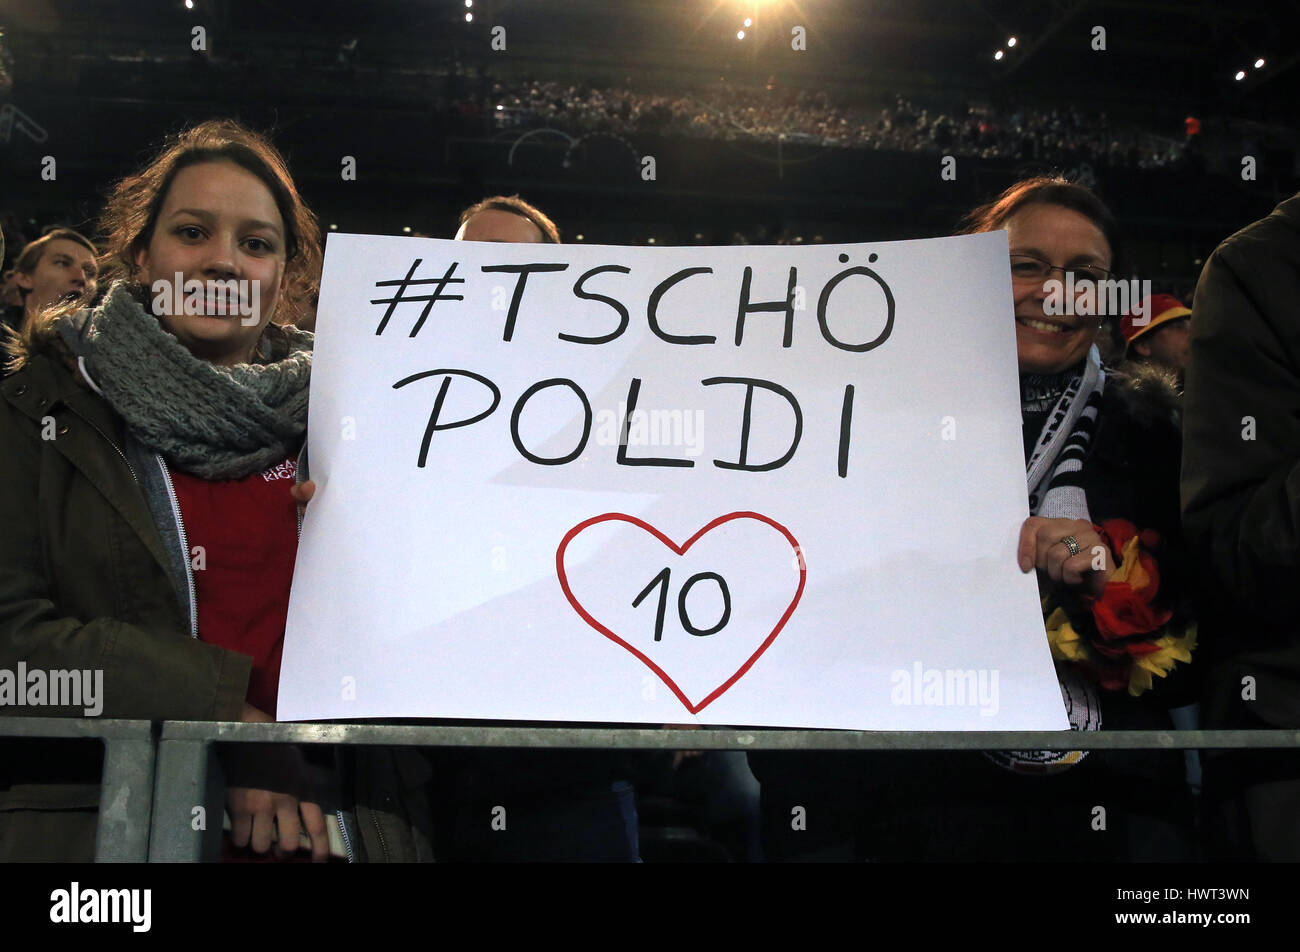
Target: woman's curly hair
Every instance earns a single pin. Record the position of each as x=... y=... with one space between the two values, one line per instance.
x=129 y=218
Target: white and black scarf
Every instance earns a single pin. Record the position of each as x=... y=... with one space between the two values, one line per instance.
x=1057 y=460
x=1053 y=473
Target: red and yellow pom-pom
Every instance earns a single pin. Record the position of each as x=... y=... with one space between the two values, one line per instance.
x=1133 y=644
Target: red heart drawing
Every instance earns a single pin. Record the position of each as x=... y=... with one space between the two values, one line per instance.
x=680 y=550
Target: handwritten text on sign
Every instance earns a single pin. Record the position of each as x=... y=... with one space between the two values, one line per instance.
x=628 y=484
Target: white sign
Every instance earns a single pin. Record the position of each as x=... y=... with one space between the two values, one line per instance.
x=770 y=486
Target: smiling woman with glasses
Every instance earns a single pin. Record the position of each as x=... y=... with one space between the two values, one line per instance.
x=1059 y=233
x=1027 y=268
x=1102 y=457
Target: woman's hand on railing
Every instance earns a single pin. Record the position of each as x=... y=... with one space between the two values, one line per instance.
x=680 y=756
x=255 y=813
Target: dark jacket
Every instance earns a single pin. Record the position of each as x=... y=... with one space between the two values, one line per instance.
x=92 y=577
x=1241 y=507
x=1131 y=473
x=11 y=317
x=1241 y=470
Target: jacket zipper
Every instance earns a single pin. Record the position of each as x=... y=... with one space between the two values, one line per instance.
x=81 y=366
x=379 y=831
x=185 y=544
x=189 y=581
x=347 y=840
x=110 y=442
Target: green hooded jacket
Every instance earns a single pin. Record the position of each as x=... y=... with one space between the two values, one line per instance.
x=90 y=570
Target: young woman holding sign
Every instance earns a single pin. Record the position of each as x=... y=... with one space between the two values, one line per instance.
x=150 y=443
x=1102 y=458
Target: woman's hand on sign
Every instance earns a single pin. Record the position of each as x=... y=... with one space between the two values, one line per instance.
x=302 y=492
x=253 y=715
x=1043 y=546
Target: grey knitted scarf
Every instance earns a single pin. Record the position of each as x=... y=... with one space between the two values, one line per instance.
x=214 y=422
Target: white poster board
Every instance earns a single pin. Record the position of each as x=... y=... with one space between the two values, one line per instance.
x=769 y=486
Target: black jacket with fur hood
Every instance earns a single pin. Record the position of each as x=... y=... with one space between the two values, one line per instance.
x=1132 y=473
x=960 y=805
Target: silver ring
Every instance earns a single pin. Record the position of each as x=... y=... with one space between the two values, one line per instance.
x=1072 y=544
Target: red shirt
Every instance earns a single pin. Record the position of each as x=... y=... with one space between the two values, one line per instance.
x=243 y=537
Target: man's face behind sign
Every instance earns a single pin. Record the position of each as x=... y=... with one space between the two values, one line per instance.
x=493 y=224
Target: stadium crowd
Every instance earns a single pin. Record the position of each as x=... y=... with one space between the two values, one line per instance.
x=737 y=113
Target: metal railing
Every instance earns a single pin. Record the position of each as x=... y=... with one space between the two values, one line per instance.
x=152 y=783
x=126 y=785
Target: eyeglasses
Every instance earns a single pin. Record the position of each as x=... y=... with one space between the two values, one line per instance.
x=1027 y=268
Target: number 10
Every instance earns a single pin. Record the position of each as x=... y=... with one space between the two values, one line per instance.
x=662 y=577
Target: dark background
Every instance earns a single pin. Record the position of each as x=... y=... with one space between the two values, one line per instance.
x=408 y=88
